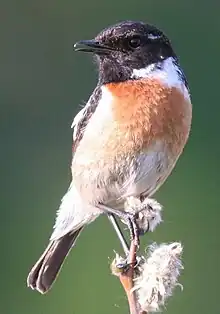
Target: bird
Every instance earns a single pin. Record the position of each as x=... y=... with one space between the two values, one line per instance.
x=126 y=139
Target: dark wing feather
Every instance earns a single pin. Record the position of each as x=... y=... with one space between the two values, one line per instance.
x=82 y=118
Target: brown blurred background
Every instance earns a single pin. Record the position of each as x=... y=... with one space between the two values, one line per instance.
x=43 y=83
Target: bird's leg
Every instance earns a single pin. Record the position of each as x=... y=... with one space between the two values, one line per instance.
x=128 y=218
x=119 y=233
x=135 y=231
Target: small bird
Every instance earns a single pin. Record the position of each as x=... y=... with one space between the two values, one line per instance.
x=127 y=138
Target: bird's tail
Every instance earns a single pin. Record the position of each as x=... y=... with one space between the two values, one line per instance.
x=45 y=271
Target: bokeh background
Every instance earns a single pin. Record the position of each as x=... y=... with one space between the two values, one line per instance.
x=43 y=83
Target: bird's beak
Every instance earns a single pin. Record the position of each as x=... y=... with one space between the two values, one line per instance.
x=91 y=46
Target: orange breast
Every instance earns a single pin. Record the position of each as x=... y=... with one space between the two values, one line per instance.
x=148 y=111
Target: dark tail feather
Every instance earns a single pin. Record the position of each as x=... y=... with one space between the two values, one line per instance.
x=45 y=271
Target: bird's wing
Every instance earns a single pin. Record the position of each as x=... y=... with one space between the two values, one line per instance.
x=82 y=118
x=73 y=213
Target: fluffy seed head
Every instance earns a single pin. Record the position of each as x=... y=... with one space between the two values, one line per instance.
x=158 y=276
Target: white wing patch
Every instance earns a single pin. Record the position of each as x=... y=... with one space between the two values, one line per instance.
x=83 y=116
x=76 y=121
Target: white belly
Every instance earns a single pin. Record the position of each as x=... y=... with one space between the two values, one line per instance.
x=111 y=181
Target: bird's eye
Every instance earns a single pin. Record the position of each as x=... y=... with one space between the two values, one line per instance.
x=134 y=42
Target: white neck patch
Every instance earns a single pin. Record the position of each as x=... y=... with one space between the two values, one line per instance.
x=168 y=73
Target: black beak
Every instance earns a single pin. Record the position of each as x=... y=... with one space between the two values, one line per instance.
x=92 y=46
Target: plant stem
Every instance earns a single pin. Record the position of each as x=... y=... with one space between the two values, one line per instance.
x=127 y=280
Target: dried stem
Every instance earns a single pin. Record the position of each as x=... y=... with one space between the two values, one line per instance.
x=126 y=279
x=148 y=216
x=147 y=281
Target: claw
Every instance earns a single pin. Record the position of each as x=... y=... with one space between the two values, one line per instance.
x=121 y=265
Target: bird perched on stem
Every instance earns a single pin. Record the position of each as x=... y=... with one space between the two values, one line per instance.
x=127 y=138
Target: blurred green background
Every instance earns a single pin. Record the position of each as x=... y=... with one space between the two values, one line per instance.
x=43 y=83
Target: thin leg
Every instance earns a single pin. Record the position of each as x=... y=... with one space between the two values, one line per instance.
x=136 y=233
x=119 y=233
x=128 y=218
